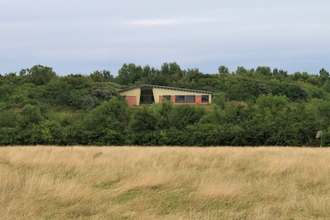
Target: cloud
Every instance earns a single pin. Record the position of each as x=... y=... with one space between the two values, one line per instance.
x=164 y=22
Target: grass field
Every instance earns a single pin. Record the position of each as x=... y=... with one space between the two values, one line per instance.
x=164 y=183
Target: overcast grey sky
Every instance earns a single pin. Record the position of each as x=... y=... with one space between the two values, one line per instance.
x=80 y=36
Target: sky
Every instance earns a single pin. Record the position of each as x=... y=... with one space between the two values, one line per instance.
x=82 y=36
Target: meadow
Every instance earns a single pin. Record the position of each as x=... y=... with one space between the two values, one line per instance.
x=46 y=182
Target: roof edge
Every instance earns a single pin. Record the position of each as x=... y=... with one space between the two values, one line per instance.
x=166 y=87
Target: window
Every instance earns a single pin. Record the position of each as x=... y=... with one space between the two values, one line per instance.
x=147 y=96
x=179 y=98
x=185 y=98
x=205 y=98
x=167 y=97
x=190 y=98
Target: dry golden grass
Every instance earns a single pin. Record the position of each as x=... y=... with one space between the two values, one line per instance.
x=164 y=183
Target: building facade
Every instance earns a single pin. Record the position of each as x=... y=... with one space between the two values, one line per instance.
x=148 y=94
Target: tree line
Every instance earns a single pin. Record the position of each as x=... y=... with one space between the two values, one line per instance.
x=255 y=107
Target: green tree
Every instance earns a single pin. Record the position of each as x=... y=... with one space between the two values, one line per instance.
x=7 y=119
x=129 y=74
x=324 y=75
x=223 y=69
x=107 y=76
x=51 y=133
x=296 y=76
x=283 y=73
x=38 y=74
x=106 y=124
x=58 y=92
x=144 y=127
x=264 y=70
x=96 y=76
x=275 y=72
x=186 y=114
x=29 y=115
x=241 y=70
x=165 y=114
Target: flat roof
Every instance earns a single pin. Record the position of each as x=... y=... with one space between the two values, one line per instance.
x=147 y=86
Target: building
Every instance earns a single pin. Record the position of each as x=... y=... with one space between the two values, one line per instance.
x=148 y=94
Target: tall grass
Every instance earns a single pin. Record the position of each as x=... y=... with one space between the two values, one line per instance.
x=164 y=183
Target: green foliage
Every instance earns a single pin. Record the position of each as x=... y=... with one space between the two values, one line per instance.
x=165 y=114
x=219 y=100
x=96 y=77
x=260 y=107
x=38 y=74
x=326 y=86
x=51 y=133
x=58 y=92
x=77 y=81
x=186 y=115
x=293 y=91
x=223 y=69
x=7 y=119
x=264 y=70
x=29 y=115
x=241 y=70
x=8 y=136
x=243 y=89
x=102 y=91
x=106 y=125
x=101 y=76
x=324 y=75
x=143 y=127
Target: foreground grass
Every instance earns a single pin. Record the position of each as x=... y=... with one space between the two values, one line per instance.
x=164 y=183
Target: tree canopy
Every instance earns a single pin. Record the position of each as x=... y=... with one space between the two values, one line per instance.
x=252 y=107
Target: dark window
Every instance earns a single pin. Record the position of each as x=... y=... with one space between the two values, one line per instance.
x=205 y=98
x=184 y=98
x=179 y=98
x=167 y=97
x=147 y=96
x=190 y=98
